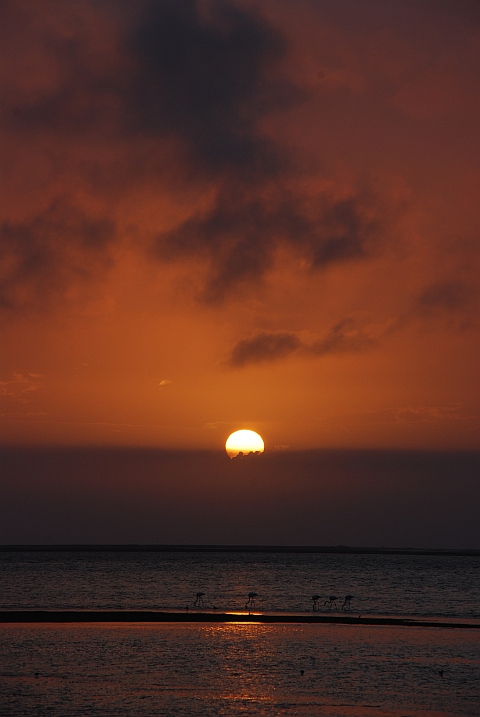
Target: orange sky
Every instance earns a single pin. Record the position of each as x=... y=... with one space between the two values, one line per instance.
x=254 y=215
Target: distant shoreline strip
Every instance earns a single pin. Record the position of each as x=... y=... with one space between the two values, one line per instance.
x=337 y=549
x=119 y=616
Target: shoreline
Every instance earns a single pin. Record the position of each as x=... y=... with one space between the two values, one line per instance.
x=336 y=549
x=127 y=616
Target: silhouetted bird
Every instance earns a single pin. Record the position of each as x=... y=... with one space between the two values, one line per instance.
x=302 y=672
x=440 y=672
x=332 y=600
x=315 y=599
x=251 y=600
x=346 y=602
x=198 y=600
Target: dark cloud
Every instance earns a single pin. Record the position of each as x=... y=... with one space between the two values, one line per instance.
x=76 y=89
x=347 y=230
x=40 y=258
x=264 y=347
x=344 y=337
x=241 y=232
x=205 y=75
x=202 y=72
x=78 y=107
x=452 y=295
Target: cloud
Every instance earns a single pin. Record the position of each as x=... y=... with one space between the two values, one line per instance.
x=260 y=197
x=176 y=93
x=179 y=94
x=429 y=414
x=164 y=382
x=42 y=257
x=202 y=72
x=344 y=337
x=33 y=415
x=20 y=387
x=451 y=296
x=452 y=302
x=263 y=347
x=240 y=233
x=346 y=230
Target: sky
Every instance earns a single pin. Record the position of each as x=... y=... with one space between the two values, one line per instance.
x=393 y=499
x=222 y=215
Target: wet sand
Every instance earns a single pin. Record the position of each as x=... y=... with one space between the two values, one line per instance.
x=190 y=616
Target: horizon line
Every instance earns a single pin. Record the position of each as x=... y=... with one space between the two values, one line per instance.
x=220 y=548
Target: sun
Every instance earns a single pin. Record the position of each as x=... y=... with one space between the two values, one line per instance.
x=244 y=442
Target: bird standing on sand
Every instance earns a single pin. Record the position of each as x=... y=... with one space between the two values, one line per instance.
x=315 y=599
x=346 y=602
x=251 y=600
x=198 y=600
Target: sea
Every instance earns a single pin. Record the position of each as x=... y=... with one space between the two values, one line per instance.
x=198 y=669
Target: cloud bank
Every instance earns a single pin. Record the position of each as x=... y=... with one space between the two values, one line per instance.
x=344 y=337
x=173 y=93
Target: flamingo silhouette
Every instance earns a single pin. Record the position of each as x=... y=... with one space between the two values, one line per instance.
x=251 y=600
x=332 y=600
x=346 y=602
x=198 y=600
x=315 y=599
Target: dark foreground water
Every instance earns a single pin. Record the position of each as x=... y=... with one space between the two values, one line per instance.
x=234 y=670
x=419 y=585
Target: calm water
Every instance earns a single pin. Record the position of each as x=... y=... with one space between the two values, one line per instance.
x=382 y=584
x=237 y=670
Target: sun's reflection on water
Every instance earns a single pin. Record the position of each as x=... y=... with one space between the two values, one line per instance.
x=233 y=669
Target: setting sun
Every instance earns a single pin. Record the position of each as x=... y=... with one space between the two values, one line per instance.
x=244 y=442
